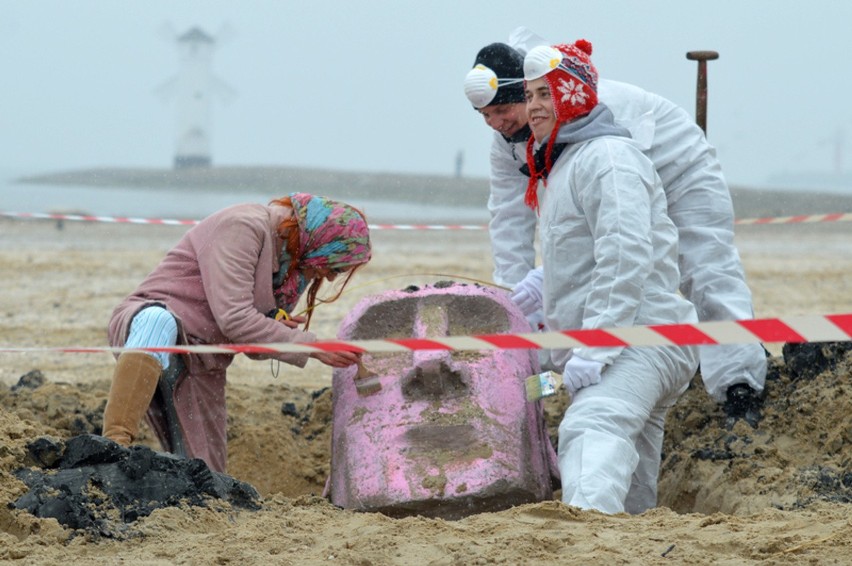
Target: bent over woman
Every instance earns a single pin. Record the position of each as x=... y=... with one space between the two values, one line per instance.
x=235 y=278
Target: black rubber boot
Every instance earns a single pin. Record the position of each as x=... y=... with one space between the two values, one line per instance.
x=166 y=386
x=742 y=402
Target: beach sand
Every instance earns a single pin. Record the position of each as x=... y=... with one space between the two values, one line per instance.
x=779 y=494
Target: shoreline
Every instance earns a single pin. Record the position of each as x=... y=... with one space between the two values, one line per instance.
x=406 y=187
x=748 y=202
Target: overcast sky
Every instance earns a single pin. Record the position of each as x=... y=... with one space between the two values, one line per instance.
x=377 y=85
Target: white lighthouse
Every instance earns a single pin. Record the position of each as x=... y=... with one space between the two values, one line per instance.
x=193 y=89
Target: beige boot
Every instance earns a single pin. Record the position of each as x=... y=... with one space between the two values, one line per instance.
x=133 y=385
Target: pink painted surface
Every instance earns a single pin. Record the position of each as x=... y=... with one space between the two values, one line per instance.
x=439 y=433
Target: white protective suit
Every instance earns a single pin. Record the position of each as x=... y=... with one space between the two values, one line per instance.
x=699 y=203
x=609 y=255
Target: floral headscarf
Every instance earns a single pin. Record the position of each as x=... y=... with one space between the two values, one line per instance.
x=332 y=235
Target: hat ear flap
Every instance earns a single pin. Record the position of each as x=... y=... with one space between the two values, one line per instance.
x=584 y=46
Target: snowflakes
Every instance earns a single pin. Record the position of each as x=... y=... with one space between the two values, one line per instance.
x=572 y=92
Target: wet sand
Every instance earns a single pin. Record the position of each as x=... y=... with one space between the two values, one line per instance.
x=778 y=496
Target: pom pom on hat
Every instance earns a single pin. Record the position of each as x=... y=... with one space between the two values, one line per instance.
x=497 y=77
x=584 y=45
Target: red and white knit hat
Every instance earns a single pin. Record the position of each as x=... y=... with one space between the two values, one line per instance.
x=573 y=84
x=569 y=73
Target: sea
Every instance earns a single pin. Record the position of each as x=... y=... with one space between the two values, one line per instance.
x=182 y=204
x=142 y=202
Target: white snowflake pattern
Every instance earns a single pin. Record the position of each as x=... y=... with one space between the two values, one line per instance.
x=572 y=92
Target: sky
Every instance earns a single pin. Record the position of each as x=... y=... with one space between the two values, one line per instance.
x=377 y=85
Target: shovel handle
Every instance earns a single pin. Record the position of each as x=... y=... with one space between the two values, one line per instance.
x=701 y=90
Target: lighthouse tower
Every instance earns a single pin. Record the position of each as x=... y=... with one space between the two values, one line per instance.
x=193 y=89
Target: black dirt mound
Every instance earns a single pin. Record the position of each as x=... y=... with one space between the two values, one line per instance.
x=91 y=483
x=808 y=360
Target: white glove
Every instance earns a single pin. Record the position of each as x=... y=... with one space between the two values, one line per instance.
x=536 y=321
x=527 y=293
x=580 y=372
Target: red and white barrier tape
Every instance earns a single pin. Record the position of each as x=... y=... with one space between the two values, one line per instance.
x=794 y=329
x=801 y=219
x=92 y=218
x=179 y=222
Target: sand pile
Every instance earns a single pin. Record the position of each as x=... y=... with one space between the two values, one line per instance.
x=730 y=493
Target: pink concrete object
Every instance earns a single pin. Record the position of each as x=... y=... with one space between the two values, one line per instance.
x=437 y=433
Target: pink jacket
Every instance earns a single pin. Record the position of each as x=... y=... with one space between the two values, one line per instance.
x=217 y=281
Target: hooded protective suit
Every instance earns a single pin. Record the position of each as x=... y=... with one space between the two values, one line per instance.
x=610 y=260
x=698 y=202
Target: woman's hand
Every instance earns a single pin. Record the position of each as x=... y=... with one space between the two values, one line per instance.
x=293 y=321
x=337 y=359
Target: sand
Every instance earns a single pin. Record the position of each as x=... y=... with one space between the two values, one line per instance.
x=778 y=494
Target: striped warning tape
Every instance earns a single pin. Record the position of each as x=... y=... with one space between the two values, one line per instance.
x=800 y=219
x=794 y=329
x=93 y=218
x=186 y=222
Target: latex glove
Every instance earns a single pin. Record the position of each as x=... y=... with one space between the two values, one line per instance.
x=527 y=293
x=580 y=372
x=536 y=321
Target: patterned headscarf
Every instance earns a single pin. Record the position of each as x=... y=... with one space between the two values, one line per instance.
x=332 y=235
